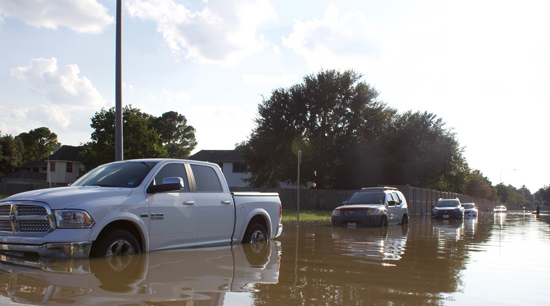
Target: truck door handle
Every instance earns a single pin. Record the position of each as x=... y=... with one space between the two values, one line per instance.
x=226 y=202
x=188 y=202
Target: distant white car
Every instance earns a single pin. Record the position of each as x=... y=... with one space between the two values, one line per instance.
x=500 y=209
x=470 y=210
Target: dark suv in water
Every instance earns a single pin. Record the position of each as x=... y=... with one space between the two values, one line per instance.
x=448 y=209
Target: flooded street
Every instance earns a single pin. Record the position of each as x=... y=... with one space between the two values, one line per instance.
x=497 y=259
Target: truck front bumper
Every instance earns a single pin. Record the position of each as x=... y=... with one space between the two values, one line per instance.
x=59 y=250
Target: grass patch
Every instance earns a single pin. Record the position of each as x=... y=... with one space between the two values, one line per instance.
x=3 y=196
x=307 y=215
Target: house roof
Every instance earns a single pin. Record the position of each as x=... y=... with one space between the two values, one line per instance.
x=35 y=164
x=66 y=153
x=26 y=175
x=218 y=156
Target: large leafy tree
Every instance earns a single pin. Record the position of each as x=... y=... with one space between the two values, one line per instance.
x=349 y=139
x=422 y=152
x=324 y=117
x=11 y=156
x=38 y=143
x=140 y=141
x=479 y=186
x=177 y=136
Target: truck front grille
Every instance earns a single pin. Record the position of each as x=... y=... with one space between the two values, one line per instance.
x=25 y=218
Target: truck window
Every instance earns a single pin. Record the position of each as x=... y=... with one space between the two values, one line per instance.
x=173 y=170
x=206 y=179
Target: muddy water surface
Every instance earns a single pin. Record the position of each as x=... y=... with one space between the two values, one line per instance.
x=497 y=259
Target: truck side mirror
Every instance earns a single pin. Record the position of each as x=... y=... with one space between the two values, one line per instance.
x=168 y=184
x=391 y=203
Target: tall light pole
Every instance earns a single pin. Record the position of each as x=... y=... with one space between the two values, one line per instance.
x=119 y=152
x=500 y=184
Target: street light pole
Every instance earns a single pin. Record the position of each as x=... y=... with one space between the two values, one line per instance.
x=500 y=184
x=119 y=151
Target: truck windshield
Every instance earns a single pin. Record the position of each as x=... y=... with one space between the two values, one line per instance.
x=126 y=174
x=366 y=198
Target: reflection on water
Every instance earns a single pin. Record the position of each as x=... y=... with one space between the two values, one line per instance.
x=195 y=275
x=371 y=245
x=494 y=259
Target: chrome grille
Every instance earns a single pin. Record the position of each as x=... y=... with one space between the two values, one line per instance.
x=31 y=210
x=25 y=218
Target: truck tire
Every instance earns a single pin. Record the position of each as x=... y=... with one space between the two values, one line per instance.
x=255 y=233
x=383 y=221
x=405 y=220
x=119 y=242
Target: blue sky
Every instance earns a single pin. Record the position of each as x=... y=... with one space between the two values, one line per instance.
x=482 y=66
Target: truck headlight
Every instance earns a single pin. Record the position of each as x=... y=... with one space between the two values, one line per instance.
x=73 y=219
x=336 y=213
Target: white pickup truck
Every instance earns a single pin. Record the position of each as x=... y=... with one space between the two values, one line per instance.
x=136 y=206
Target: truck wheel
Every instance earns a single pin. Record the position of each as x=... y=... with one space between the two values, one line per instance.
x=383 y=221
x=405 y=220
x=256 y=233
x=118 y=243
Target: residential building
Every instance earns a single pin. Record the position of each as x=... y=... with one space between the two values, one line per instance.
x=230 y=161
x=59 y=169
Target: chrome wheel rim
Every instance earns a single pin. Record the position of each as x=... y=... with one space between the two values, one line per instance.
x=120 y=247
x=257 y=236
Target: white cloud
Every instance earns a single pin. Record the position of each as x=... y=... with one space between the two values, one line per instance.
x=335 y=41
x=261 y=79
x=60 y=86
x=224 y=32
x=70 y=100
x=84 y=16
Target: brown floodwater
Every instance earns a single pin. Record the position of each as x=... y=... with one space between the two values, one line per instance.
x=496 y=259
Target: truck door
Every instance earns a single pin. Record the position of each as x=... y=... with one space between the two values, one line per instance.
x=173 y=214
x=216 y=215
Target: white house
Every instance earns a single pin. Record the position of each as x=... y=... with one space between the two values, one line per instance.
x=230 y=161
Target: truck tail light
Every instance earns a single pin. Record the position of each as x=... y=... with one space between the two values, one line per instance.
x=280 y=210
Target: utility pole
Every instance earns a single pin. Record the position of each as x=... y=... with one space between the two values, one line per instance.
x=298 y=184
x=119 y=152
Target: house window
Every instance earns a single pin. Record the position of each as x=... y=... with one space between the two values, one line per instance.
x=70 y=167
x=239 y=168
x=35 y=169
x=44 y=168
x=52 y=167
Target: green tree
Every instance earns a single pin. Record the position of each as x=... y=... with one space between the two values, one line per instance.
x=177 y=136
x=421 y=152
x=479 y=186
x=38 y=143
x=11 y=157
x=140 y=140
x=324 y=117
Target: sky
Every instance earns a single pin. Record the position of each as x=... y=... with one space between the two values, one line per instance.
x=481 y=66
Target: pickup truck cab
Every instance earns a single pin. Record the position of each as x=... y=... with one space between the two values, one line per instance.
x=137 y=206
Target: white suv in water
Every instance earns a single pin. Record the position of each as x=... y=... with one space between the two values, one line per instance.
x=374 y=206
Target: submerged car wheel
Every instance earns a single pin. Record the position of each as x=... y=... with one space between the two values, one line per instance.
x=405 y=220
x=256 y=233
x=118 y=243
x=383 y=221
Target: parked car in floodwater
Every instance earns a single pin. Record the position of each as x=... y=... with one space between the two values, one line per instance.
x=500 y=209
x=470 y=210
x=374 y=206
x=448 y=209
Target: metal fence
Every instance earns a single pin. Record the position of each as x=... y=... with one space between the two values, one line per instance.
x=11 y=188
